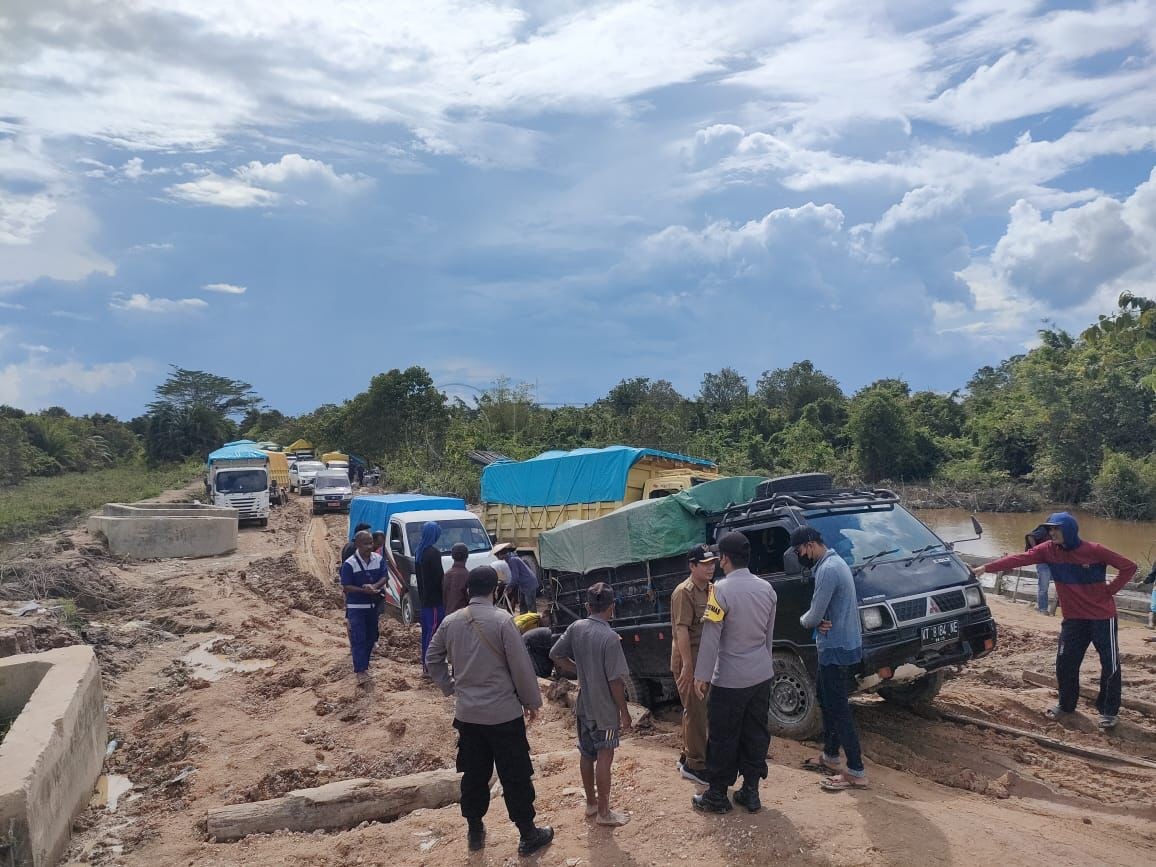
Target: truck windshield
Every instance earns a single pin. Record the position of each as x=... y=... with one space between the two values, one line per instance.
x=242 y=481
x=472 y=533
x=856 y=536
x=327 y=481
x=309 y=466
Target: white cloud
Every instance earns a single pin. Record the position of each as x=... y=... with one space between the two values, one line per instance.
x=293 y=178
x=37 y=383
x=8 y=305
x=145 y=248
x=224 y=288
x=140 y=302
x=69 y=314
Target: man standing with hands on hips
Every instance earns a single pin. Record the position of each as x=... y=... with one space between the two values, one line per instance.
x=734 y=660
x=687 y=607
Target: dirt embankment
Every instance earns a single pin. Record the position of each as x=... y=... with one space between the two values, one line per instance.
x=228 y=680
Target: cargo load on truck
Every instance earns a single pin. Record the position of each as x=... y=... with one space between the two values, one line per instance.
x=522 y=499
x=237 y=477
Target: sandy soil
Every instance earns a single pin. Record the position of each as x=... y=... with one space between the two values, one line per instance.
x=193 y=735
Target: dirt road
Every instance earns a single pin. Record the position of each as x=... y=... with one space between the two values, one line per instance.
x=228 y=679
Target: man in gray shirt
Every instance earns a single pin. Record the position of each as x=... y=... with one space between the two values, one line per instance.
x=593 y=649
x=734 y=659
x=493 y=685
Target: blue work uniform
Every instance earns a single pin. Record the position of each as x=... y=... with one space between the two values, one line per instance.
x=361 y=609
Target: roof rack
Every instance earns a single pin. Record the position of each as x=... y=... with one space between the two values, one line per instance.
x=835 y=498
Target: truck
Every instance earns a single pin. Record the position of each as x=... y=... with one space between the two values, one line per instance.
x=401 y=517
x=523 y=499
x=237 y=476
x=278 y=476
x=921 y=611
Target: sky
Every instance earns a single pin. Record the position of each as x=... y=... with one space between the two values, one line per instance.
x=301 y=194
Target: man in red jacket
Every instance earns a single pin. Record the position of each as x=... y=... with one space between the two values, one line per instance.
x=1079 y=571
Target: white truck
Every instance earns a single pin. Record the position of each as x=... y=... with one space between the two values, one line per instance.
x=238 y=478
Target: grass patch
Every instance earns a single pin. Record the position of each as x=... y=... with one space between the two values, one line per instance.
x=39 y=505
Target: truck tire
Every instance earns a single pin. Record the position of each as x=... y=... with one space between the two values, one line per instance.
x=264 y=522
x=639 y=691
x=794 y=709
x=408 y=614
x=917 y=692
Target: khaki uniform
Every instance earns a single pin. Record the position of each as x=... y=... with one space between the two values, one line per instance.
x=687 y=606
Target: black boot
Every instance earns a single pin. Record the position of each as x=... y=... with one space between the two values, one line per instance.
x=476 y=836
x=538 y=838
x=748 y=796
x=712 y=801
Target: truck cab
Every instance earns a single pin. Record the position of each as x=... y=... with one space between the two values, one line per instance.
x=237 y=477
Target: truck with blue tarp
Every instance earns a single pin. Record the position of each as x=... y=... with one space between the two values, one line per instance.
x=400 y=517
x=523 y=499
x=237 y=476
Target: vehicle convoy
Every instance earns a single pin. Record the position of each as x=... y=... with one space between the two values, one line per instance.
x=522 y=499
x=331 y=491
x=401 y=516
x=302 y=473
x=237 y=476
x=922 y=612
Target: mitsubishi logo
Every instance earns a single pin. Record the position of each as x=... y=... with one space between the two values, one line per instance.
x=933 y=607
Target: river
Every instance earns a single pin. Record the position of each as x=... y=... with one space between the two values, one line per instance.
x=1003 y=532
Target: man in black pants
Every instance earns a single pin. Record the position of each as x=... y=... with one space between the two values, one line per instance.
x=734 y=660
x=494 y=686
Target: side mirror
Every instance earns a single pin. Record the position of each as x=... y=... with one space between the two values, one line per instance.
x=395 y=546
x=976 y=526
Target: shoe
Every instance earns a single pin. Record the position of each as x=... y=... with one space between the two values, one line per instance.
x=687 y=774
x=540 y=839
x=476 y=838
x=712 y=802
x=1107 y=723
x=748 y=796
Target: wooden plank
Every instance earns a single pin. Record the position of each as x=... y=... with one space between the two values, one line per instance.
x=1036 y=678
x=1062 y=746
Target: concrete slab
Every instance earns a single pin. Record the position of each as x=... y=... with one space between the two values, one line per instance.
x=52 y=756
x=149 y=531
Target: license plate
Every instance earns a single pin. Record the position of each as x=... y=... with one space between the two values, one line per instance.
x=335 y=504
x=937 y=633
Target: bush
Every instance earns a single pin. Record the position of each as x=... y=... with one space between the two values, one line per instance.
x=971 y=475
x=1125 y=487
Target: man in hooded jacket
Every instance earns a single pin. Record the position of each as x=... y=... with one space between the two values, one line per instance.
x=430 y=574
x=1079 y=571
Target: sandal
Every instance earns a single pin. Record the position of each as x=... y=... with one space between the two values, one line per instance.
x=818 y=763
x=839 y=783
x=1054 y=713
x=1107 y=723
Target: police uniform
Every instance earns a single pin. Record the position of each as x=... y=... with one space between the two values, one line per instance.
x=735 y=657
x=361 y=609
x=687 y=608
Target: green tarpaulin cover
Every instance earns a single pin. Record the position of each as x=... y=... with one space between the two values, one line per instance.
x=646 y=530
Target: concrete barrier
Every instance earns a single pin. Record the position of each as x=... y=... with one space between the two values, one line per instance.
x=52 y=756
x=157 y=530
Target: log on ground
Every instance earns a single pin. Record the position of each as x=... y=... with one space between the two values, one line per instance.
x=334 y=806
x=1036 y=678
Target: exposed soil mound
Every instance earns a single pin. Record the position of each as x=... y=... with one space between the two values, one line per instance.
x=286 y=586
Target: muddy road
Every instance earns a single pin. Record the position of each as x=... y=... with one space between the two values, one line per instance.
x=228 y=680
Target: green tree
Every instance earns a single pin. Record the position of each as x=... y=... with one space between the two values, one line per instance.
x=793 y=388
x=724 y=391
x=13 y=452
x=228 y=398
x=882 y=434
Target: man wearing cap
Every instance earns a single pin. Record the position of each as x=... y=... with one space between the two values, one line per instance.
x=454 y=593
x=523 y=583
x=687 y=607
x=1079 y=571
x=734 y=660
x=593 y=649
x=494 y=686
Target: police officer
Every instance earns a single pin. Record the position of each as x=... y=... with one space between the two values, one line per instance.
x=734 y=659
x=363 y=576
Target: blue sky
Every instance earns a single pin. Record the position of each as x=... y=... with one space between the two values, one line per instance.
x=303 y=194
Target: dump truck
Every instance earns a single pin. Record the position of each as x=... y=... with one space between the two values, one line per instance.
x=522 y=499
x=278 y=475
x=922 y=613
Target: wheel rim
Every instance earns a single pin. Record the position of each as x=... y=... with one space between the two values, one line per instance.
x=790 y=698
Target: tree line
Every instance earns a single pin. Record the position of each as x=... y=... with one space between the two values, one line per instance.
x=1071 y=421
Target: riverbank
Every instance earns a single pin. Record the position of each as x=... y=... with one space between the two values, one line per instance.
x=931 y=494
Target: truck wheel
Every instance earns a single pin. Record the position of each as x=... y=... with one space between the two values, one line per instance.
x=917 y=692
x=794 y=709
x=638 y=691
x=264 y=522
x=408 y=615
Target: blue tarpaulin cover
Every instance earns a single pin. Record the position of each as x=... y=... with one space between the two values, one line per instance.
x=242 y=450
x=377 y=509
x=579 y=476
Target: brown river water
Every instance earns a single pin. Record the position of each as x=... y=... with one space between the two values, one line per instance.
x=1003 y=532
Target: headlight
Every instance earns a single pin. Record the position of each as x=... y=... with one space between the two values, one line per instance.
x=974 y=597
x=872 y=617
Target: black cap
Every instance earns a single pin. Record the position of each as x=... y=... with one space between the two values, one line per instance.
x=702 y=554
x=600 y=597
x=734 y=544
x=804 y=534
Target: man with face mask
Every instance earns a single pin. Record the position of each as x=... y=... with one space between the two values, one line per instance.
x=834 y=615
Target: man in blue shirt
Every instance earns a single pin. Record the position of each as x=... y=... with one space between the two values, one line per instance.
x=523 y=584
x=834 y=615
x=363 y=576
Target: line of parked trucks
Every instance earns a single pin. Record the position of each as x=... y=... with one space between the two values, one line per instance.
x=628 y=517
